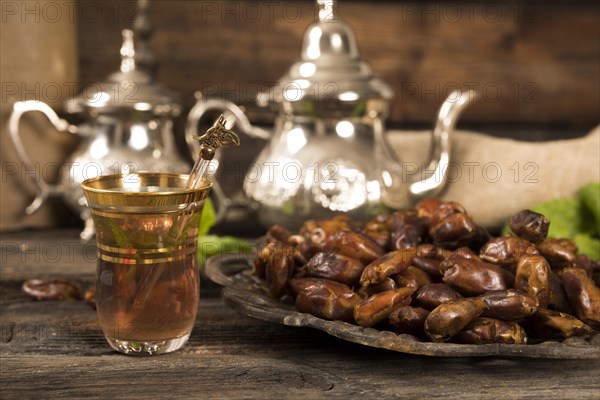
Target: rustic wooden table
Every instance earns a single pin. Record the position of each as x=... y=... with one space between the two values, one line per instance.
x=56 y=349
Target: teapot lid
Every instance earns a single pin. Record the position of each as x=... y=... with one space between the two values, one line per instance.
x=330 y=67
x=133 y=86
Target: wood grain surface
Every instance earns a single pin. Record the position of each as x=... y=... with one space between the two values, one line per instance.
x=535 y=62
x=56 y=350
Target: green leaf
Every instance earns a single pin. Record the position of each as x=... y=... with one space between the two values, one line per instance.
x=568 y=217
x=577 y=219
x=209 y=218
x=588 y=245
x=359 y=109
x=590 y=197
x=211 y=245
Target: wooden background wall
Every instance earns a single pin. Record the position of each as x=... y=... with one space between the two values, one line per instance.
x=538 y=63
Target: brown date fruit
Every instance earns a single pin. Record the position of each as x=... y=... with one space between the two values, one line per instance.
x=454 y=231
x=457 y=256
x=559 y=253
x=304 y=248
x=427 y=207
x=549 y=324
x=278 y=233
x=407 y=229
x=484 y=330
x=533 y=278
x=319 y=232
x=596 y=272
x=378 y=232
x=354 y=245
x=335 y=267
x=90 y=296
x=443 y=211
x=558 y=297
x=430 y=251
x=509 y=332
x=429 y=265
x=586 y=263
x=259 y=267
x=510 y=305
x=279 y=270
x=583 y=294
x=431 y=296
x=449 y=318
x=389 y=264
x=463 y=252
x=52 y=289
x=482 y=236
x=409 y=320
x=368 y=291
x=328 y=299
x=412 y=277
x=530 y=225
x=479 y=331
x=378 y=307
x=429 y=258
x=295 y=285
x=506 y=251
x=471 y=276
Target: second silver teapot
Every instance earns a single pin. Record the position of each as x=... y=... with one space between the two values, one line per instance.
x=328 y=153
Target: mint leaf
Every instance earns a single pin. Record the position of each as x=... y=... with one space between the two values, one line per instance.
x=590 y=197
x=588 y=245
x=209 y=218
x=210 y=245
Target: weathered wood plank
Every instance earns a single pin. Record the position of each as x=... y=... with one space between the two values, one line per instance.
x=55 y=349
x=234 y=356
x=255 y=376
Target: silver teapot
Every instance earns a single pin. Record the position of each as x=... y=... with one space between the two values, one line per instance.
x=127 y=128
x=328 y=153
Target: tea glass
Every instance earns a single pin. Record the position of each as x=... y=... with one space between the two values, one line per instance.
x=147 y=282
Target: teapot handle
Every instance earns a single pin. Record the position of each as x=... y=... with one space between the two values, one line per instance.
x=19 y=109
x=234 y=115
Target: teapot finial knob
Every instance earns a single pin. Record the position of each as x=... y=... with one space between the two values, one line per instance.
x=136 y=52
x=326 y=10
x=127 y=51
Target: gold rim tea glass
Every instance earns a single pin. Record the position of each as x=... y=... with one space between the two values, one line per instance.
x=147 y=283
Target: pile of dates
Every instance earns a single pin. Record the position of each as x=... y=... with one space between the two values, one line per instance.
x=432 y=272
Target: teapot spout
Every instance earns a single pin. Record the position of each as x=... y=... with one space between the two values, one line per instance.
x=441 y=144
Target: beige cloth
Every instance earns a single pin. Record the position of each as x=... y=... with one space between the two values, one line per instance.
x=494 y=178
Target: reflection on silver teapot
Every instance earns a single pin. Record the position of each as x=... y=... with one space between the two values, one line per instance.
x=128 y=125
x=328 y=152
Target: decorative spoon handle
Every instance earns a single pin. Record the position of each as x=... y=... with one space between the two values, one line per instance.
x=216 y=136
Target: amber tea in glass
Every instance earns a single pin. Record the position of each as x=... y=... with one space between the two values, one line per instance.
x=147 y=286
